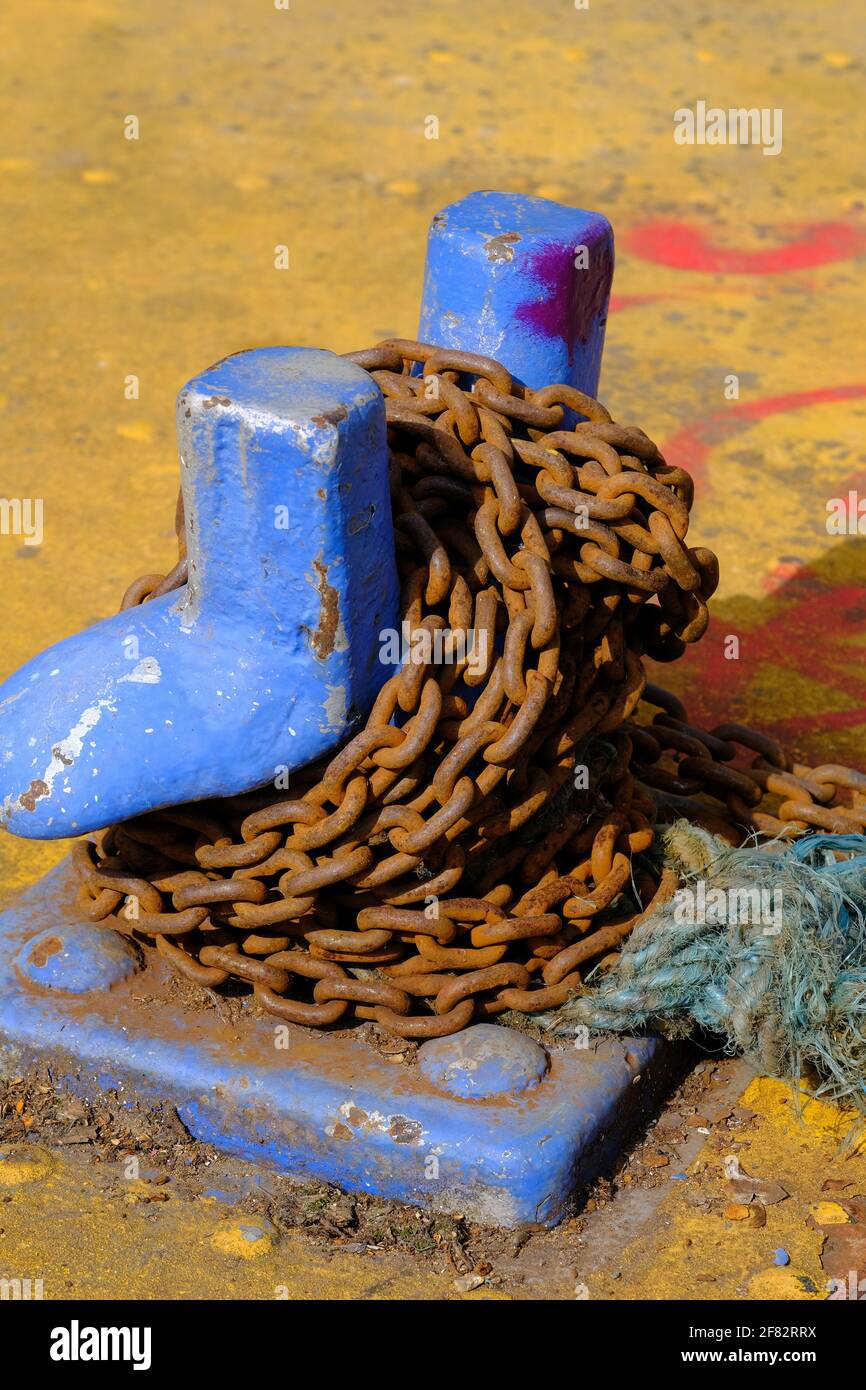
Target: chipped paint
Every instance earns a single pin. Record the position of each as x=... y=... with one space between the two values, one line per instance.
x=397 y=1127
x=501 y=247
x=361 y=520
x=145 y=672
x=335 y=707
x=44 y=948
x=63 y=756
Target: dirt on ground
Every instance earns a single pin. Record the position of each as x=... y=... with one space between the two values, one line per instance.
x=111 y=1132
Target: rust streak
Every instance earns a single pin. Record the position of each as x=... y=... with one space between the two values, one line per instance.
x=331 y=417
x=323 y=638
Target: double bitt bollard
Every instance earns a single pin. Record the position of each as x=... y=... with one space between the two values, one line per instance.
x=267 y=658
x=269 y=655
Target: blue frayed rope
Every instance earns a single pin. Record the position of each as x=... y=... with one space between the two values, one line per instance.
x=786 y=988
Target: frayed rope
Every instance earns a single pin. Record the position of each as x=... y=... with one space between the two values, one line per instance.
x=786 y=987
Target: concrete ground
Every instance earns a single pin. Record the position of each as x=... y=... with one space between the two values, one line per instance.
x=148 y=258
x=733 y=1192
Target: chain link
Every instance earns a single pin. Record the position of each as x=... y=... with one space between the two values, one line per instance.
x=561 y=550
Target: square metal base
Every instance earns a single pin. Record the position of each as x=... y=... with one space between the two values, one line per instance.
x=455 y=1131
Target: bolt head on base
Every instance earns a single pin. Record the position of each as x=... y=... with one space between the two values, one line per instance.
x=482 y=1061
x=76 y=958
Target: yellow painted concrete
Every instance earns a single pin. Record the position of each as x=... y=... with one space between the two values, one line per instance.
x=261 y=127
x=87 y=1233
x=690 y=1251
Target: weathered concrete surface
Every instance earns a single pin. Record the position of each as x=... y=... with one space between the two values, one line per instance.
x=690 y=1249
x=137 y=257
x=143 y=1243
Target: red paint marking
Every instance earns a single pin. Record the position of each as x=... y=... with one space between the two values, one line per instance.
x=619 y=302
x=812 y=623
x=634 y=301
x=810 y=608
x=809 y=631
x=683 y=246
x=856 y=483
x=690 y=447
x=780 y=575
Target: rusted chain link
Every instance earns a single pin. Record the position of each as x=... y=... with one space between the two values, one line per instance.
x=488 y=835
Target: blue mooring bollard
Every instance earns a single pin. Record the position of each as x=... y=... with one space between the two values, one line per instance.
x=269 y=655
x=523 y=280
x=487 y=1123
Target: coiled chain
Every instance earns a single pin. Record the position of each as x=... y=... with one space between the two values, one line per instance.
x=488 y=835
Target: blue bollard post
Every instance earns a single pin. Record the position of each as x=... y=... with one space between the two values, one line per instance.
x=269 y=655
x=524 y=280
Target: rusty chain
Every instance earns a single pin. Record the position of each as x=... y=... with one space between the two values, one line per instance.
x=517 y=774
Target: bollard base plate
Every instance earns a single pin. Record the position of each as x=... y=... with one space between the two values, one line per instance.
x=487 y=1123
